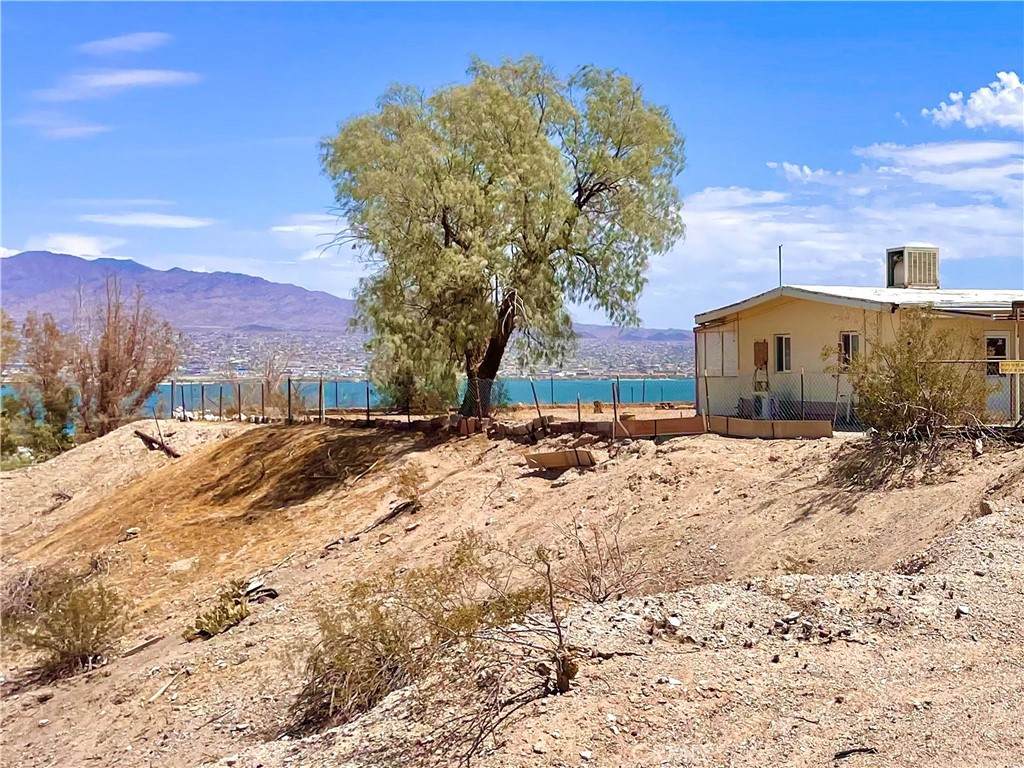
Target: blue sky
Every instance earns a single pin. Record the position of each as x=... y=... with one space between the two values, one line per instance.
x=182 y=134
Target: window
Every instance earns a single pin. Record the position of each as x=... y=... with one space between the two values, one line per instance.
x=783 y=354
x=995 y=350
x=849 y=348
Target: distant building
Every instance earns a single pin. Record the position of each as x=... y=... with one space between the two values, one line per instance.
x=763 y=357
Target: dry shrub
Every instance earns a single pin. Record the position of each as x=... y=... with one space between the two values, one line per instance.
x=410 y=481
x=908 y=389
x=462 y=633
x=598 y=566
x=229 y=610
x=74 y=621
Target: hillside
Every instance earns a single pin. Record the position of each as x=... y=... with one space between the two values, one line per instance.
x=745 y=533
x=49 y=282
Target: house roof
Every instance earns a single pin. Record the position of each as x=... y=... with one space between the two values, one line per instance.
x=973 y=301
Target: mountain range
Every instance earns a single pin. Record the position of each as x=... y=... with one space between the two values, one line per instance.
x=50 y=282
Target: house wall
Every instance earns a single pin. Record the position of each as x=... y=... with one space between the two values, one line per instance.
x=812 y=327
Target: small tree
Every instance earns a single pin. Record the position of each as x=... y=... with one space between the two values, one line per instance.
x=487 y=209
x=122 y=353
x=9 y=343
x=929 y=377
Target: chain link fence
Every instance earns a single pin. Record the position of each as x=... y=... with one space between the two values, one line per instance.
x=830 y=397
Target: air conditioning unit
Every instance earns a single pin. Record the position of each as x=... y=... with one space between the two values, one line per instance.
x=766 y=405
x=912 y=266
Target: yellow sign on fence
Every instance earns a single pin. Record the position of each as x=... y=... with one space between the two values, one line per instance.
x=1011 y=366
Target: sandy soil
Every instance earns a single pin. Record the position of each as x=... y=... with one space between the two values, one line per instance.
x=747 y=529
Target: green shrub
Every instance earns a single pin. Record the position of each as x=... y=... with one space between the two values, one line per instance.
x=908 y=389
x=229 y=610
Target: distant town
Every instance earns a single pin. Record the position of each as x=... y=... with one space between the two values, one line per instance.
x=320 y=353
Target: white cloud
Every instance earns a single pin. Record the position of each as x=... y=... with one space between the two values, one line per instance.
x=87 y=246
x=143 y=219
x=309 y=233
x=5 y=252
x=1000 y=104
x=55 y=125
x=109 y=82
x=137 y=42
x=803 y=173
x=963 y=196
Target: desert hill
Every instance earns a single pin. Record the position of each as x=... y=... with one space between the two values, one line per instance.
x=747 y=533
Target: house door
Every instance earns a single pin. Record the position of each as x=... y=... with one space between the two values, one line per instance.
x=996 y=347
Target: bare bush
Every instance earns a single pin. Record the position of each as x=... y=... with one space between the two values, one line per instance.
x=75 y=622
x=463 y=634
x=123 y=352
x=598 y=566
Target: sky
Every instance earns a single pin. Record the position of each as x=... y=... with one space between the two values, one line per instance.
x=185 y=135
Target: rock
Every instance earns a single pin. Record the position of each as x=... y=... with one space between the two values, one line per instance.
x=979 y=447
x=717 y=490
x=539 y=748
x=986 y=507
x=131 y=533
x=384 y=538
x=791 y=618
x=411 y=527
x=586 y=754
x=231 y=760
x=43 y=723
x=963 y=610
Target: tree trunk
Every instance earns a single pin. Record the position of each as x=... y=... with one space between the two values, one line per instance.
x=487 y=371
x=483 y=376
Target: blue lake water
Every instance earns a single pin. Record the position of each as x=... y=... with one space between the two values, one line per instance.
x=352 y=394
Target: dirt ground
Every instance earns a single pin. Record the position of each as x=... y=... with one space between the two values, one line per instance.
x=743 y=531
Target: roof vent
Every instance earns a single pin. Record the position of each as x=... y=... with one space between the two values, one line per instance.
x=912 y=266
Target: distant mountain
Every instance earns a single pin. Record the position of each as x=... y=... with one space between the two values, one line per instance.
x=49 y=282
x=609 y=333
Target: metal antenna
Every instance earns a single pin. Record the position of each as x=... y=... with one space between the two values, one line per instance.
x=780 y=266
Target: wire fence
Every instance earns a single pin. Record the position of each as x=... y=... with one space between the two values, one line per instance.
x=248 y=398
x=830 y=396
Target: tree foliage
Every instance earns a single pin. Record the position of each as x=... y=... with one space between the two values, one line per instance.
x=122 y=354
x=9 y=344
x=487 y=208
x=908 y=389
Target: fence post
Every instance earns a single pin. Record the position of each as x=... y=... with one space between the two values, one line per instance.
x=367 y=402
x=707 y=398
x=240 y=401
x=536 y=403
x=182 y=387
x=172 y=401
x=320 y=406
x=289 y=399
x=802 y=416
x=337 y=403
x=202 y=400
x=615 y=408
x=220 y=403
x=263 y=401
x=552 y=380
x=643 y=390
x=835 y=406
x=579 y=415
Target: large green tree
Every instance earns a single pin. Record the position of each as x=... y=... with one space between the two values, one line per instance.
x=487 y=209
